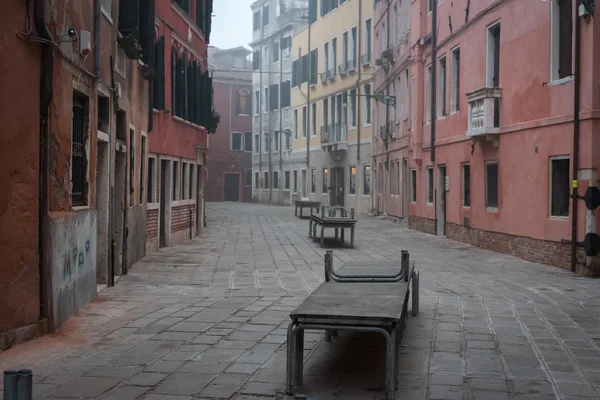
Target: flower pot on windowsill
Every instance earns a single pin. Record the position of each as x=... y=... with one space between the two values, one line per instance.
x=130 y=46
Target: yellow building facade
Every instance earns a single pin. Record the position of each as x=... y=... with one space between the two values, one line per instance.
x=332 y=110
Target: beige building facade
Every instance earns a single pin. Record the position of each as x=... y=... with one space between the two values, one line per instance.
x=331 y=104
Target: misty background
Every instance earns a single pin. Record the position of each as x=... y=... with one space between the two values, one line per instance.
x=232 y=24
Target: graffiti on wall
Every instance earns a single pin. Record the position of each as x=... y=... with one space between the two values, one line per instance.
x=75 y=258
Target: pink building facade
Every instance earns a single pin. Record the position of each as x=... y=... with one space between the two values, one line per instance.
x=503 y=116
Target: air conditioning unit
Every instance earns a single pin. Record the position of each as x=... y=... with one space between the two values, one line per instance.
x=387 y=54
x=379 y=62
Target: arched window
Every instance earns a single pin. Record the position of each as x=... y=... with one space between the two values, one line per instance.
x=243 y=102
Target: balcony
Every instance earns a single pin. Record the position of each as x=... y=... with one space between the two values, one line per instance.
x=484 y=112
x=351 y=66
x=365 y=59
x=325 y=77
x=334 y=137
x=343 y=69
x=331 y=74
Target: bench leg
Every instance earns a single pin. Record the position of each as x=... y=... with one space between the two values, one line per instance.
x=397 y=359
x=334 y=333
x=310 y=222
x=322 y=236
x=299 y=358
x=295 y=211
x=301 y=208
x=328 y=336
x=336 y=233
x=352 y=237
x=390 y=379
x=289 y=376
x=342 y=235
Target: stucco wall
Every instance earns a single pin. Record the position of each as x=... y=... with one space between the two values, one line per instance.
x=19 y=144
x=73 y=267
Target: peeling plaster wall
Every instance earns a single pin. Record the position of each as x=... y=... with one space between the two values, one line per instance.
x=73 y=267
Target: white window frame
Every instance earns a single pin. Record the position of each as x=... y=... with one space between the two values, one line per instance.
x=489 y=53
x=491 y=162
x=257 y=102
x=353 y=50
x=345 y=47
x=313 y=122
x=442 y=87
x=241 y=141
x=428 y=95
x=551 y=188
x=455 y=81
x=430 y=186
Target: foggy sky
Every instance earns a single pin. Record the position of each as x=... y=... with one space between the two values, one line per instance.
x=232 y=23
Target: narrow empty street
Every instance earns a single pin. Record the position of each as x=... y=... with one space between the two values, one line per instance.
x=207 y=320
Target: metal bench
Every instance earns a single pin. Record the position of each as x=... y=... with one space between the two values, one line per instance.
x=329 y=219
x=305 y=204
x=360 y=296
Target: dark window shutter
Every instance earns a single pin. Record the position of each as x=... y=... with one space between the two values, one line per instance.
x=314 y=62
x=312 y=11
x=208 y=19
x=189 y=91
x=146 y=38
x=159 y=74
x=200 y=16
x=173 y=80
x=565 y=42
x=294 y=73
x=256 y=60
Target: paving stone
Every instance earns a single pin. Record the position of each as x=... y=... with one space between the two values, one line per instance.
x=446 y=393
x=147 y=379
x=446 y=379
x=184 y=384
x=576 y=389
x=85 y=387
x=163 y=366
x=126 y=392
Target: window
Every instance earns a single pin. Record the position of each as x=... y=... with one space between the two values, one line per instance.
x=286 y=180
x=286 y=46
x=256 y=20
x=248 y=178
x=466 y=185
x=368 y=40
x=266 y=100
x=188 y=88
x=184 y=181
x=256 y=61
x=314 y=119
x=406 y=97
x=266 y=182
x=256 y=144
x=314 y=66
x=392 y=177
x=142 y=169
x=236 y=141
x=328 y=6
x=131 y=150
x=325 y=180
x=276 y=49
x=442 y=88
x=266 y=56
x=79 y=160
x=367 y=104
x=175 y=182
x=326 y=57
x=158 y=96
x=561 y=32
x=334 y=54
x=367 y=179
x=559 y=187
x=429 y=5
x=353 y=179
x=266 y=15
x=397 y=178
x=248 y=141
x=354 y=47
x=151 y=196
x=267 y=148
x=275 y=179
x=325 y=112
x=286 y=94
x=491 y=184
x=274 y=97
x=288 y=139
x=256 y=102
x=413 y=185
x=353 y=107
x=184 y=4
x=313 y=180
x=429 y=94
x=429 y=185
x=295 y=181
x=493 y=56
x=413 y=107
x=256 y=180
x=345 y=46
x=121 y=126
x=295 y=127
x=304 y=122
x=242 y=102
x=276 y=136
x=455 y=91
x=312 y=11
x=192 y=186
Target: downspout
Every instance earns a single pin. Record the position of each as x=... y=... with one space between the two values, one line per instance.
x=46 y=94
x=386 y=141
x=576 y=106
x=280 y=119
x=308 y=133
x=259 y=105
x=357 y=102
x=97 y=39
x=433 y=99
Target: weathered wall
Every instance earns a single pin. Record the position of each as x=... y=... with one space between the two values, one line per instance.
x=73 y=263
x=136 y=240
x=19 y=138
x=152 y=230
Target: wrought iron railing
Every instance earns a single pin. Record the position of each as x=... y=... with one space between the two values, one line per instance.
x=333 y=133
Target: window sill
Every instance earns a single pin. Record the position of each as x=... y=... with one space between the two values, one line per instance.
x=80 y=208
x=179 y=203
x=428 y=204
x=186 y=122
x=366 y=196
x=152 y=206
x=491 y=209
x=107 y=15
x=454 y=112
x=560 y=81
x=466 y=207
x=559 y=218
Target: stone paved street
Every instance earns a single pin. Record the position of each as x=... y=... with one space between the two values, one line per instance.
x=208 y=320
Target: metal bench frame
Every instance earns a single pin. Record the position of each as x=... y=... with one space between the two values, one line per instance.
x=305 y=204
x=393 y=332
x=329 y=219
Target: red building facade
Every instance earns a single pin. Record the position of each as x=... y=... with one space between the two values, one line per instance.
x=183 y=118
x=230 y=154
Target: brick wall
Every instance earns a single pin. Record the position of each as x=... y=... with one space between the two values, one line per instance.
x=180 y=217
x=422 y=224
x=151 y=224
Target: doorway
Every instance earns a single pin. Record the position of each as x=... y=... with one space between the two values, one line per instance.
x=441 y=222
x=304 y=183
x=119 y=206
x=165 y=203
x=337 y=193
x=199 y=201
x=231 y=190
x=102 y=204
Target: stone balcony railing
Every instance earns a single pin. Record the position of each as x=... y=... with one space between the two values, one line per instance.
x=331 y=74
x=365 y=59
x=484 y=111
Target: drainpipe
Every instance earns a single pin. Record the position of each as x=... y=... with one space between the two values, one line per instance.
x=97 y=38
x=433 y=98
x=280 y=119
x=359 y=68
x=576 y=89
x=308 y=133
x=386 y=141
x=46 y=93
